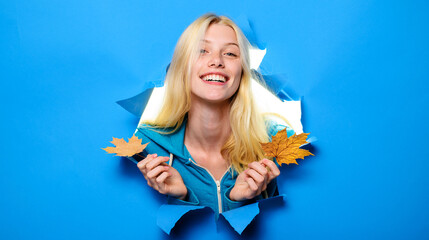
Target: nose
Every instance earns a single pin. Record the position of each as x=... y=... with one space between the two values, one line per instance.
x=216 y=61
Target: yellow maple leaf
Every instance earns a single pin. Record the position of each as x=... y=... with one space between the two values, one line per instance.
x=286 y=150
x=126 y=149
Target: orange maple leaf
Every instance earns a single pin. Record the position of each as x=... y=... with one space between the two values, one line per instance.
x=286 y=150
x=126 y=149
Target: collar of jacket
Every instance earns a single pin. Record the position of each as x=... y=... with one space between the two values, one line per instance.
x=172 y=143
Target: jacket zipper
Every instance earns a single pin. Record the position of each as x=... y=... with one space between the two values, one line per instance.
x=219 y=197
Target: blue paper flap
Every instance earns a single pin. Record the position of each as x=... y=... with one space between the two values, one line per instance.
x=136 y=104
x=241 y=217
x=168 y=215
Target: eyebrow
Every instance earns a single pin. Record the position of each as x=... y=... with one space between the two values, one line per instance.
x=230 y=43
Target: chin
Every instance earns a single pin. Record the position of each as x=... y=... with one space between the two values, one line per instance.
x=211 y=99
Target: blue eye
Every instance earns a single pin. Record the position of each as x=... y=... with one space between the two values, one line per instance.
x=231 y=54
x=203 y=51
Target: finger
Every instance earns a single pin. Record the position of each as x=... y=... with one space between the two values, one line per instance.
x=272 y=165
x=257 y=166
x=252 y=184
x=160 y=182
x=155 y=162
x=258 y=178
x=161 y=178
x=142 y=164
x=156 y=171
x=274 y=170
x=242 y=176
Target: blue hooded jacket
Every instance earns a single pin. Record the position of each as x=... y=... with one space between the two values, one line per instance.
x=203 y=188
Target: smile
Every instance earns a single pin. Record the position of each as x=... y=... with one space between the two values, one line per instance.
x=214 y=78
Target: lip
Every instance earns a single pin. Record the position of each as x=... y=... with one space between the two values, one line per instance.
x=215 y=73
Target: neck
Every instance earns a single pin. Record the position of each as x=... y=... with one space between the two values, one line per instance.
x=208 y=126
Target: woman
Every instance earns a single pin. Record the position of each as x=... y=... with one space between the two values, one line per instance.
x=209 y=128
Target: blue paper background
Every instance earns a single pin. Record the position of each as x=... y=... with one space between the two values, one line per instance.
x=362 y=67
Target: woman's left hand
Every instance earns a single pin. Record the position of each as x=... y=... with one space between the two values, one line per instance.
x=252 y=181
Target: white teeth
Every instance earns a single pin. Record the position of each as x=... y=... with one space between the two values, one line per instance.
x=214 y=77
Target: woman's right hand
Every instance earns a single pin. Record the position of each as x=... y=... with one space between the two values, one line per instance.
x=162 y=177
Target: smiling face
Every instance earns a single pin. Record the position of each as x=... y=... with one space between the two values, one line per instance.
x=216 y=73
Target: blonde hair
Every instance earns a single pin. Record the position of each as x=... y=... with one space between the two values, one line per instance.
x=248 y=127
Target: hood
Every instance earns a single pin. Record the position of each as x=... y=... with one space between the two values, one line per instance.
x=172 y=143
